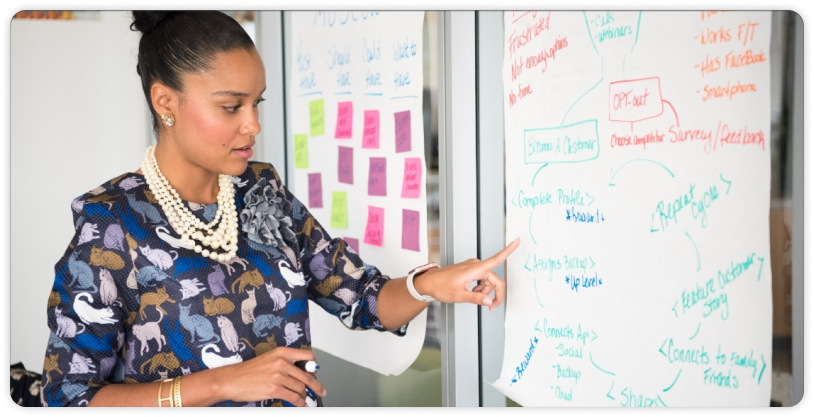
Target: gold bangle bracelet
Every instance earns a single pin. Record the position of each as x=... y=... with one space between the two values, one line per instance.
x=168 y=398
x=176 y=391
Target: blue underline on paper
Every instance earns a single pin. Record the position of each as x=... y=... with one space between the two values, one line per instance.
x=310 y=94
x=399 y=97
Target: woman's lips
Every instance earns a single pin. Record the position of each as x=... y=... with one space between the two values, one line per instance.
x=244 y=153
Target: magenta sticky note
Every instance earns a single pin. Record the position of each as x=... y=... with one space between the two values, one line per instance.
x=410 y=222
x=403 y=128
x=344 y=120
x=315 y=190
x=345 y=165
x=377 y=177
x=353 y=243
x=370 y=132
x=411 y=185
x=374 y=231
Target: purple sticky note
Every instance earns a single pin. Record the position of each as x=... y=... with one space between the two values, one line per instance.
x=403 y=129
x=315 y=190
x=374 y=231
x=377 y=179
x=412 y=184
x=353 y=243
x=410 y=222
x=370 y=134
x=344 y=120
x=345 y=165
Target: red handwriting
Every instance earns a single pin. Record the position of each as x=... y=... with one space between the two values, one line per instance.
x=527 y=34
x=729 y=90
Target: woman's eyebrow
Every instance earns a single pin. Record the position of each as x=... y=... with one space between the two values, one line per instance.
x=232 y=93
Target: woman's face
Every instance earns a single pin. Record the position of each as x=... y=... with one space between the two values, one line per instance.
x=217 y=117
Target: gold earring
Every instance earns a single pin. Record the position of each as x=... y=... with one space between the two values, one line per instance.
x=168 y=119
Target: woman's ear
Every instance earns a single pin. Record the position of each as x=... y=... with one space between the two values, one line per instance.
x=165 y=99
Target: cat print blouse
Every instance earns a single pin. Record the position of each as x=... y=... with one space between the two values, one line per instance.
x=130 y=304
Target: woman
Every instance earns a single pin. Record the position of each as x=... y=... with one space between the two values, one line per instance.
x=187 y=281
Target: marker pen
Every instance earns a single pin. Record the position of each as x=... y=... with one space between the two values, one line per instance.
x=307 y=366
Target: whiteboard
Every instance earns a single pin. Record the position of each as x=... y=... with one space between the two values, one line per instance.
x=637 y=175
x=358 y=140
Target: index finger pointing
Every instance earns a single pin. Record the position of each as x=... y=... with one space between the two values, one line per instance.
x=501 y=256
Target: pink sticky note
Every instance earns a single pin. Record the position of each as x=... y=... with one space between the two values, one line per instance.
x=409 y=229
x=353 y=243
x=370 y=134
x=377 y=178
x=344 y=120
x=374 y=231
x=411 y=186
x=345 y=165
x=403 y=128
x=315 y=190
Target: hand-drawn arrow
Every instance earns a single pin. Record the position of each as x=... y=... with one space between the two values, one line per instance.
x=536 y=294
x=697 y=255
x=530 y=233
x=527 y=264
x=601 y=78
x=592 y=199
x=674 y=308
x=612 y=174
x=761 y=371
x=592 y=262
x=760 y=271
x=595 y=335
x=590 y=355
x=534 y=178
x=696 y=331
x=674 y=382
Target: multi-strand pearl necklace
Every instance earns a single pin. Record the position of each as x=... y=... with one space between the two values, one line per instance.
x=186 y=224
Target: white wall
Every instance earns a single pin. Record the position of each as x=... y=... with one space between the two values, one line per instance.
x=78 y=118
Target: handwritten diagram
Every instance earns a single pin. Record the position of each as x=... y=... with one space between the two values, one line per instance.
x=638 y=177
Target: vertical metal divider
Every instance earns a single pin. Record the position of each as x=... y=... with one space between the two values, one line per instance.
x=271 y=143
x=491 y=191
x=458 y=199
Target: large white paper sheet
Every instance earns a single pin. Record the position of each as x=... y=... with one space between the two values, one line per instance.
x=356 y=85
x=637 y=150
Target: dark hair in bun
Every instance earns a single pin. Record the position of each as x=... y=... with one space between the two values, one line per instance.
x=146 y=21
x=174 y=43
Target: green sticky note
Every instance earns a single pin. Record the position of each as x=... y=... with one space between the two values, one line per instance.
x=317 y=117
x=300 y=151
x=339 y=210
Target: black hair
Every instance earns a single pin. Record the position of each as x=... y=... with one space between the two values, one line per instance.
x=175 y=43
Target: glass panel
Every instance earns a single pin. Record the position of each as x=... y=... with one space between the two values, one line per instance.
x=420 y=384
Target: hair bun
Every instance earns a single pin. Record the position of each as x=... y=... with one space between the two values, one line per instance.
x=145 y=21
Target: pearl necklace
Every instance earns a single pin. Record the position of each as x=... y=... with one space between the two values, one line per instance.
x=186 y=224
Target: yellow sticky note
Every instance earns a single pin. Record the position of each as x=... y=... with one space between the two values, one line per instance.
x=300 y=151
x=339 y=210
x=317 y=108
